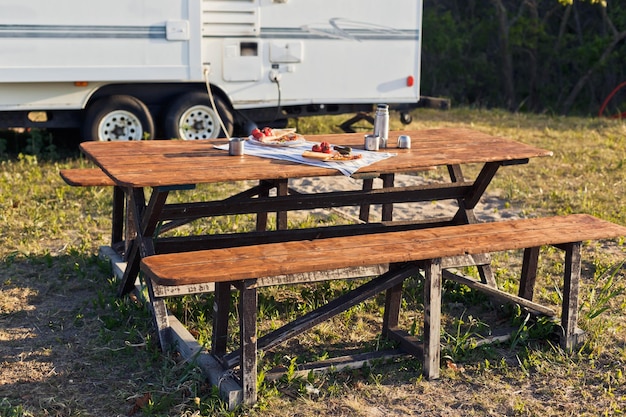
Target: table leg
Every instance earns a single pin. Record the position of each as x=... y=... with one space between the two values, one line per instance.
x=135 y=201
x=364 y=212
x=387 y=209
x=393 y=296
x=145 y=219
x=391 y=315
x=465 y=213
x=282 y=189
x=261 y=218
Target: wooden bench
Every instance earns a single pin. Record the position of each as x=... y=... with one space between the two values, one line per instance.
x=86 y=177
x=406 y=252
x=95 y=177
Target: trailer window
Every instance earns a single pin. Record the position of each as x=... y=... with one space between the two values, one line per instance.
x=248 y=49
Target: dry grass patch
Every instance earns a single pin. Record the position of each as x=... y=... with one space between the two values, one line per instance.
x=69 y=347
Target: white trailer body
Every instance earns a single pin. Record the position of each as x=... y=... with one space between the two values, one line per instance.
x=130 y=69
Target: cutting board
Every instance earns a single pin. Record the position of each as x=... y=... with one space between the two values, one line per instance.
x=317 y=155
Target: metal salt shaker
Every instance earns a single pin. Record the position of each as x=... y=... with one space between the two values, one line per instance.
x=235 y=146
x=381 y=124
x=372 y=142
x=404 y=142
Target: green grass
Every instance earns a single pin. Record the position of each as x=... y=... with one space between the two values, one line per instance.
x=70 y=347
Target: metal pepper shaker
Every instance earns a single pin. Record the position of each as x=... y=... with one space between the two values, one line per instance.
x=381 y=124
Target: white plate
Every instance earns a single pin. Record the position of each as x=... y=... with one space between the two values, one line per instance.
x=275 y=142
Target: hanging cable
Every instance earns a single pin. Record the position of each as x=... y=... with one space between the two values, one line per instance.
x=278 y=105
x=207 y=71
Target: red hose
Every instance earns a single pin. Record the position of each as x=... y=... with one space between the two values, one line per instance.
x=606 y=102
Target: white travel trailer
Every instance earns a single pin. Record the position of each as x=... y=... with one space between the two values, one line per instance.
x=133 y=69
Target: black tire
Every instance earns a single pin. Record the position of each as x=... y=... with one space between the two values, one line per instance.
x=406 y=118
x=191 y=117
x=117 y=118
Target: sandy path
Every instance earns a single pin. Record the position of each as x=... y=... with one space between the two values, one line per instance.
x=490 y=208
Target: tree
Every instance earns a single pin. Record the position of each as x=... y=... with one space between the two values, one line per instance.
x=536 y=55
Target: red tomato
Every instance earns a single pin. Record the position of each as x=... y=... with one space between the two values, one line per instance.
x=257 y=134
x=325 y=147
x=267 y=131
x=316 y=148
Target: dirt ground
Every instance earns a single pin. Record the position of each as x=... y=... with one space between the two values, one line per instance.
x=51 y=352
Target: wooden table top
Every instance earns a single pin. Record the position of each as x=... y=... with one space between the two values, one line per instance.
x=174 y=162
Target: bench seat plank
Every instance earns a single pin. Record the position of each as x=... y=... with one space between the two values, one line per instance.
x=238 y=263
x=86 y=177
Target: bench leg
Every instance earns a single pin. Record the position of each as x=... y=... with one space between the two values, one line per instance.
x=221 y=307
x=160 y=317
x=569 y=314
x=161 y=321
x=529 y=273
x=247 y=327
x=117 y=224
x=432 y=318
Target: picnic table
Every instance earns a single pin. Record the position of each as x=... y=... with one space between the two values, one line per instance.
x=148 y=171
x=165 y=166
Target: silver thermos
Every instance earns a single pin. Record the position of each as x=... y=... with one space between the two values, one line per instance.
x=381 y=124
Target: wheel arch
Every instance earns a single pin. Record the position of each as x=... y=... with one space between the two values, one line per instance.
x=156 y=96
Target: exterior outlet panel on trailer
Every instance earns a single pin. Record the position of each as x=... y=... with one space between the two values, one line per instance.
x=120 y=65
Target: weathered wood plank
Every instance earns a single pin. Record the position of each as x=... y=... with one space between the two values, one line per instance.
x=432 y=317
x=248 y=300
x=501 y=295
x=263 y=203
x=184 y=162
x=286 y=258
x=571 y=282
x=529 y=273
x=221 y=304
x=309 y=277
x=340 y=363
x=86 y=177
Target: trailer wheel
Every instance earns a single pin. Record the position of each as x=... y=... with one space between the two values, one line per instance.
x=406 y=118
x=118 y=118
x=191 y=117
